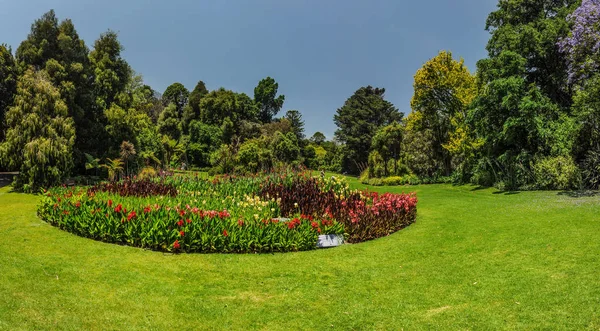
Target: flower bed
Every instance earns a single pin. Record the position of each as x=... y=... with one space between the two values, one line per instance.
x=226 y=214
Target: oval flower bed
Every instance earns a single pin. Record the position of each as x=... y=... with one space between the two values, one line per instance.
x=228 y=214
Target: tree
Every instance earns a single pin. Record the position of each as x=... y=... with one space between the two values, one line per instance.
x=295 y=118
x=114 y=168
x=56 y=48
x=178 y=95
x=318 y=138
x=8 y=83
x=191 y=111
x=265 y=97
x=285 y=147
x=169 y=122
x=39 y=136
x=41 y=43
x=387 y=142
x=196 y=96
x=523 y=108
x=111 y=73
x=228 y=110
x=204 y=140
x=417 y=145
x=532 y=30
x=581 y=45
x=127 y=152
x=443 y=90
x=358 y=120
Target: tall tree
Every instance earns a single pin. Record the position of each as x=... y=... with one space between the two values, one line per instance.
x=228 y=110
x=318 y=138
x=8 y=83
x=443 y=90
x=40 y=135
x=169 y=122
x=191 y=111
x=523 y=107
x=56 y=48
x=196 y=95
x=358 y=120
x=41 y=43
x=265 y=95
x=111 y=73
x=295 y=118
x=178 y=95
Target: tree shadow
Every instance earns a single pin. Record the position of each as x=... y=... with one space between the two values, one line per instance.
x=478 y=188
x=579 y=194
x=507 y=192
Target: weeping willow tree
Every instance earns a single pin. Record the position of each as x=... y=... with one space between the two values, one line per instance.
x=39 y=135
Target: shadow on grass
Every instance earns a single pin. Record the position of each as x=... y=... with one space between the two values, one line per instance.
x=579 y=194
x=507 y=192
x=479 y=188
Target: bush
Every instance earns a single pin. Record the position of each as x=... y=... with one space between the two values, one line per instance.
x=556 y=173
x=393 y=181
x=147 y=173
x=136 y=188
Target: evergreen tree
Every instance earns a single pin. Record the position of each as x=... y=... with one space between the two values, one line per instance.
x=358 y=120
x=295 y=118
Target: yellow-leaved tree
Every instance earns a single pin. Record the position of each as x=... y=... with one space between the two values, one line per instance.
x=443 y=91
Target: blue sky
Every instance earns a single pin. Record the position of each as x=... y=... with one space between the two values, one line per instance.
x=319 y=51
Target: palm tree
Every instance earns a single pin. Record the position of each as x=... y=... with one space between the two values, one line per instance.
x=114 y=167
x=127 y=151
x=172 y=148
x=92 y=163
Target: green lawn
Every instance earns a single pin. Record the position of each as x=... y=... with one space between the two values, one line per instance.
x=473 y=260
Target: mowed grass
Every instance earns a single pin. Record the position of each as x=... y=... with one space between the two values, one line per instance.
x=475 y=259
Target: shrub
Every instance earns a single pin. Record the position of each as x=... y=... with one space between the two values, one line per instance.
x=556 y=173
x=147 y=173
x=136 y=188
x=392 y=181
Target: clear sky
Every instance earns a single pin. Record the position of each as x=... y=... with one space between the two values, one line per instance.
x=319 y=51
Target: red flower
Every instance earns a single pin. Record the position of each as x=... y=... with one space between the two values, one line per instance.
x=176 y=244
x=180 y=223
x=225 y=233
x=118 y=208
x=240 y=222
x=314 y=225
x=78 y=204
x=147 y=209
x=131 y=215
x=109 y=203
x=181 y=212
x=189 y=221
x=275 y=221
x=59 y=200
x=181 y=233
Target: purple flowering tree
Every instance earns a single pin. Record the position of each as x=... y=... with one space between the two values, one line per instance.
x=582 y=46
